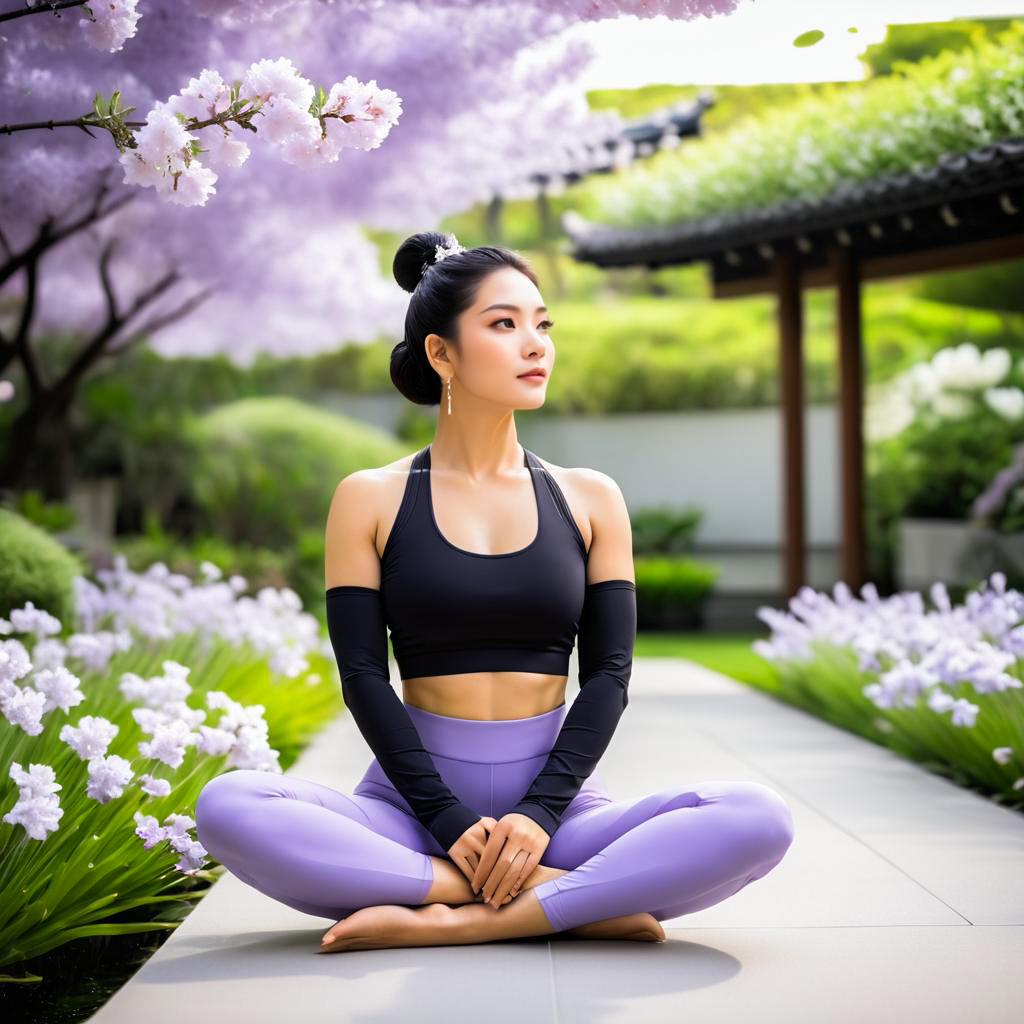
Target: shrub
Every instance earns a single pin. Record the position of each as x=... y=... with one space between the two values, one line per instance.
x=669 y=591
x=663 y=529
x=34 y=567
x=266 y=468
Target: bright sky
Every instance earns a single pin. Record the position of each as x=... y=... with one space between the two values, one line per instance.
x=754 y=44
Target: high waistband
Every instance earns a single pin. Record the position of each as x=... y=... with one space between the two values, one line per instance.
x=488 y=741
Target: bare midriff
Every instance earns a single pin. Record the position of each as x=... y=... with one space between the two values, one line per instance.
x=486 y=696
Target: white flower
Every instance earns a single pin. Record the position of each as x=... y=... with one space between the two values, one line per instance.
x=96 y=649
x=951 y=406
x=113 y=21
x=30 y=619
x=210 y=571
x=154 y=786
x=39 y=780
x=215 y=742
x=60 y=687
x=168 y=743
x=48 y=653
x=964 y=712
x=149 y=830
x=91 y=737
x=38 y=815
x=107 y=777
x=192 y=858
x=253 y=751
x=160 y=690
x=14 y=661
x=1007 y=402
x=23 y=706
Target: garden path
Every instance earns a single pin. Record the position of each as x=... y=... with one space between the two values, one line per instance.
x=900 y=899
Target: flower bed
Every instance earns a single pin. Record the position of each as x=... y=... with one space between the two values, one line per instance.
x=100 y=821
x=939 y=685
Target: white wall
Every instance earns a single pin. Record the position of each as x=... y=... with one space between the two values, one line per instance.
x=727 y=462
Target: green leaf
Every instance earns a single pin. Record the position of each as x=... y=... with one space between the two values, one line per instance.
x=815 y=35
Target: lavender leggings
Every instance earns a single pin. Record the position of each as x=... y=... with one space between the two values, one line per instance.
x=327 y=853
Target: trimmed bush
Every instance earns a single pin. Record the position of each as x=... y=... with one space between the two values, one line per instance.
x=664 y=529
x=266 y=468
x=34 y=567
x=670 y=591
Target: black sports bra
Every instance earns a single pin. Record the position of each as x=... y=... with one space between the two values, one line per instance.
x=451 y=610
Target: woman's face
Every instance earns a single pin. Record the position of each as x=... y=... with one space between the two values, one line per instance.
x=499 y=344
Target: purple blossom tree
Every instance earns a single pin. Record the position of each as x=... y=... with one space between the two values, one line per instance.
x=470 y=97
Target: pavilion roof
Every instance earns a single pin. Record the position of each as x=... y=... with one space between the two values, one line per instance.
x=973 y=195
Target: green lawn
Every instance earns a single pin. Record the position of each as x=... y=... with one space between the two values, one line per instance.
x=728 y=653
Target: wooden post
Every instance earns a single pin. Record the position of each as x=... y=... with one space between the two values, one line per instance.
x=791 y=394
x=492 y=220
x=851 y=415
x=548 y=232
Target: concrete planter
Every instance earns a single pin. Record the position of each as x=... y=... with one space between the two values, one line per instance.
x=95 y=505
x=954 y=552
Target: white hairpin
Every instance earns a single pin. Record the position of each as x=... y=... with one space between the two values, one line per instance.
x=448 y=250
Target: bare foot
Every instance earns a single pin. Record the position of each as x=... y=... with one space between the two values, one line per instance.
x=389 y=925
x=642 y=927
x=435 y=924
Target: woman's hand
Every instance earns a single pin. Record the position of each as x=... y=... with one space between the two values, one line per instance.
x=513 y=849
x=468 y=848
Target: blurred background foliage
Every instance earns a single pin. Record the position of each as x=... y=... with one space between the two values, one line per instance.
x=238 y=466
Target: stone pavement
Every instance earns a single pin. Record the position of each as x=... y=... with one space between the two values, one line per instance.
x=901 y=899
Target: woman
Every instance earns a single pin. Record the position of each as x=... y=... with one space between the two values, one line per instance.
x=481 y=816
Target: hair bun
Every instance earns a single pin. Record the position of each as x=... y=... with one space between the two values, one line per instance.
x=416 y=254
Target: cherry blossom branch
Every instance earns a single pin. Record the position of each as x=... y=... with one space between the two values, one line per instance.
x=43 y=7
x=161 y=152
x=107 y=25
x=243 y=120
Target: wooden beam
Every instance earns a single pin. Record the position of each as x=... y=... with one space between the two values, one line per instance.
x=851 y=406
x=873 y=268
x=492 y=220
x=791 y=394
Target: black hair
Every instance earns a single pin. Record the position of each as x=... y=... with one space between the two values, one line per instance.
x=441 y=291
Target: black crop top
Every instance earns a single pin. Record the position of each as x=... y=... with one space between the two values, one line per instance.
x=515 y=611
x=452 y=611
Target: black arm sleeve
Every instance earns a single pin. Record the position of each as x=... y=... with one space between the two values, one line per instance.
x=605 y=642
x=355 y=622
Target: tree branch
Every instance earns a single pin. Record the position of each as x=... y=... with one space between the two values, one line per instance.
x=94 y=348
x=47 y=238
x=155 y=323
x=45 y=7
x=21 y=347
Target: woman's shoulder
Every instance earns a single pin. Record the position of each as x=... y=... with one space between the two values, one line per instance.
x=590 y=484
x=370 y=480
x=593 y=496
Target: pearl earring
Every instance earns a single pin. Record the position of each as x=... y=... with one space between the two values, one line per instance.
x=449 y=396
